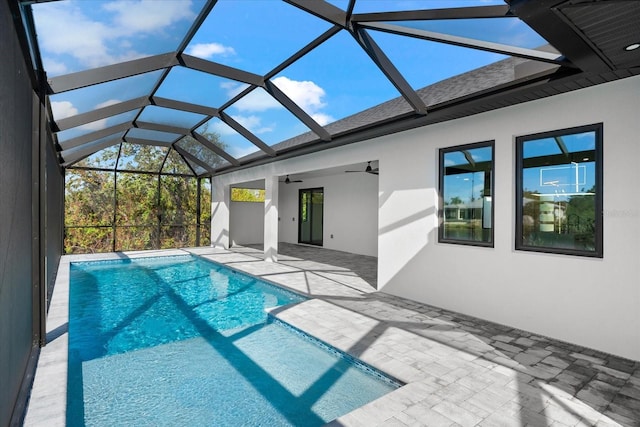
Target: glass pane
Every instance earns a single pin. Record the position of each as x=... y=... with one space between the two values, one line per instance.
x=147 y=158
x=127 y=117
x=104 y=159
x=88 y=198
x=137 y=199
x=317 y=213
x=466 y=190
x=176 y=164
x=228 y=139
x=89 y=98
x=199 y=170
x=394 y=5
x=79 y=35
x=559 y=192
x=153 y=135
x=329 y=93
x=508 y=31
x=265 y=117
x=168 y=116
x=252 y=43
x=88 y=240
x=444 y=60
x=201 y=152
x=203 y=88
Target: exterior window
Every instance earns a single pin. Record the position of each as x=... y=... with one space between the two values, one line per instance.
x=559 y=191
x=247 y=195
x=466 y=193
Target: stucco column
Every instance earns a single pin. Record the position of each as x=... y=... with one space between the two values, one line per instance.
x=220 y=200
x=271 y=218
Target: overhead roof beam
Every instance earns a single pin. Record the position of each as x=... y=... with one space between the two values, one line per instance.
x=144 y=141
x=211 y=146
x=186 y=155
x=389 y=70
x=74 y=155
x=216 y=69
x=561 y=145
x=247 y=134
x=322 y=10
x=533 y=54
x=474 y=12
x=296 y=110
x=101 y=113
x=93 y=136
x=162 y=127
x=109 y=73
x=308 y=48
x=184 y=106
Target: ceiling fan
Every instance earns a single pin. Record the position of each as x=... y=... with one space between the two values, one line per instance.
x=368 y=169
x=289 y=181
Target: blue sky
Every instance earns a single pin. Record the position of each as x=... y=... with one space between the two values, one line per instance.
x=332 y=82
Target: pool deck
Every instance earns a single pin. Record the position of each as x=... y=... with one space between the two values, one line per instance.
x=458 y=370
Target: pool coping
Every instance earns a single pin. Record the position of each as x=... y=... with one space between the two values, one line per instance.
x=458 y=370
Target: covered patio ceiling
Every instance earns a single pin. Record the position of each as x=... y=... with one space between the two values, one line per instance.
x=223 y=85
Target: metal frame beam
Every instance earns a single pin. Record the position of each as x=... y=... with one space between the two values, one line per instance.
x=102 y=133
x=216 y=69
x=162 y=128
x=211 y=146
x=109 y=73
x=296 y=110
x=536 y=55
x=101 y=113
x=322 y=10
x=144 y=141
x=386 y=66
x=247 y=134
x=74 y=155
x=184 y=106
x=473 y=12
x=544 y=17
x=184 y=153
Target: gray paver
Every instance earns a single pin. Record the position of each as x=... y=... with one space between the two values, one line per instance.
x=459 y=370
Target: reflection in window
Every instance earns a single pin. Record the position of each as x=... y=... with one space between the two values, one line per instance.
x=560 y=191
x=466 y=189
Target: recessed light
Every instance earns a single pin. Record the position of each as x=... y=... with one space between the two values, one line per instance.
x=631 y=47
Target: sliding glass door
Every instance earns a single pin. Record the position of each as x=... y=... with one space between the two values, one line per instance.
x=311 y=207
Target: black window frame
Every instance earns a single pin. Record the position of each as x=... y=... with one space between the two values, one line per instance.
x=598 y=129
x=441 y=205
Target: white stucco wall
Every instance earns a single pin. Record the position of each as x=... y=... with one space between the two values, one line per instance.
x=592 y=302
x=350 y=212
x=246 y=223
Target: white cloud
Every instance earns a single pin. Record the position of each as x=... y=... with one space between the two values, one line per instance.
x=54 y=68
x=94 y=126
x=63 y=109
x=322 y=118
x=306 y=94
x=208 y=50
x=257 y=101
x=254 y=124
x=64 y=29
x=108 y=103
x=147 y=16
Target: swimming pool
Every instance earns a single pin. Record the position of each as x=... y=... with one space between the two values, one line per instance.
x=183 y=341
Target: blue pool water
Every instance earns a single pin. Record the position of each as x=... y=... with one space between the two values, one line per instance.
x=183 y=341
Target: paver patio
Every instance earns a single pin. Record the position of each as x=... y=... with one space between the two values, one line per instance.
x=458 y=370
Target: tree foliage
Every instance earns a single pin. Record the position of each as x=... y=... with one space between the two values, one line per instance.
x=147 y=208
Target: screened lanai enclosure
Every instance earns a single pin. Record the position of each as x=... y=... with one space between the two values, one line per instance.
x=125 y=125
